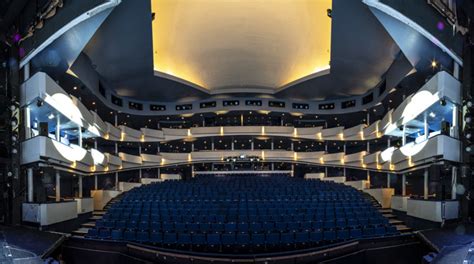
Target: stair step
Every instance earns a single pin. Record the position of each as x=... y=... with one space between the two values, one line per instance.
x=403 y=228
x=395 y=222
x=96 y=217
x=99 y=213
x=88 y=224
x=385 y=210
x=81 y=231
x=389 y=216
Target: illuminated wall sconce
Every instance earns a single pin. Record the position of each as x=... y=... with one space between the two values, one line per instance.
x=189 y=132
x=295 y=156
x=295 y=132
x=364 y=166
x=361 y=135
x=122 y=136
x=93 y=168
x=263 y=155
x=222 y=131
x=392 y=167
x=342 y=161
x=410 y=162
x=74 y=164
x=189 y=157
x=106 y=168
x=379 y=167
x=120 y=167
x=107 y=136
x=321 y=160
x=142 y=138
x=341 y=136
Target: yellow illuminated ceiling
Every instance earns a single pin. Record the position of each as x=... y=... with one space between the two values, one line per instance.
x=220 y=44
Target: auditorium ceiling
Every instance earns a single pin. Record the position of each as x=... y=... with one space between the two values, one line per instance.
x=183 y=50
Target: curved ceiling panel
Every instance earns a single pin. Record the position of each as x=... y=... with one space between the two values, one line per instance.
x=249 y=44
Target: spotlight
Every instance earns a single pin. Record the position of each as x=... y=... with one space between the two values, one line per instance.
x=51 y=116
x=468 y=118
x=39 y=103
x=442 y=102
x=470 y=149
x=329 y=12
x=434 y=64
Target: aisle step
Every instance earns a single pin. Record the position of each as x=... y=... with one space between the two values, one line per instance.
x=96 y=217
x=389 y=216
x=385 y=210
x=395 y=222
x=88 y=224
x=81 y=231
x=98 y=213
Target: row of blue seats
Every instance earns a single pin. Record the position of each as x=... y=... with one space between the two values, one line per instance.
x=236 y=217
x=240 y=239
x=241 y=226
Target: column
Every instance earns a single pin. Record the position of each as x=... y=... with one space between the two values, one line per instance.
x=292 y=170
x=159 y=173
x=388 y=174
x=26 y=71
x=404 y=185
x=80 y=186
x=425 y=184
x=273 y=166
x=454 y=182
x=58 y=128
x=326 y=168
x=252 y=145
x=140 y=153
x=232 y=144
x=192 y=171
x=79 y=129
x=404 y=138
x=192 y=147
x=292 y=146
x=454 y=126
x=58 y=186
x=212 y=144
x=272 y=145
x=425 y=125
x=344 y=168
x=116 y=181
x=96 y=182
x=29 y=173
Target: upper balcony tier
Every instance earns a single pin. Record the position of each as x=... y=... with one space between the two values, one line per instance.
x=46 y=102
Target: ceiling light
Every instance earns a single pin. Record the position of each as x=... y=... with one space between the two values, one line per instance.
x=432 y=115
x=51 y=116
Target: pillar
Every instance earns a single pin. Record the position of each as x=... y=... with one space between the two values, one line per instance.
x=404 y=185
x=425 y=125
x=388 y=180
x=425 y=184
x=273 y=166
x=454 y=179
x=404 y=138
x=116 y=181
x=344 y=167
x=272 y=145
x=58 y=128
x=454 y=126
x=80 y=186
x=58 y=186
x=96 y=183
x=139 y=153
x=292 y=146
x=292 y=170
x=29 y=172
x=79 y=129
x=159 y=173
x=232 y=144
x=252 y=147
x=26 y=71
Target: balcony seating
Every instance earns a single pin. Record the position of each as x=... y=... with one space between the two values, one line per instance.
x=245 y=213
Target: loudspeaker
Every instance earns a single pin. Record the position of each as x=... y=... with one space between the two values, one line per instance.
x=444 y=128
x=43 y=129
